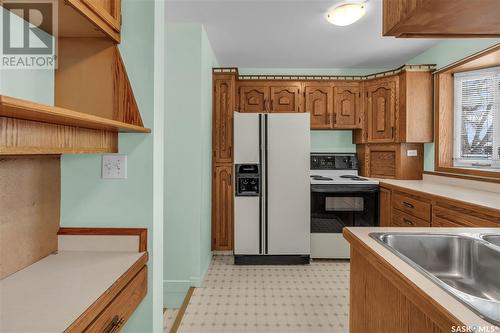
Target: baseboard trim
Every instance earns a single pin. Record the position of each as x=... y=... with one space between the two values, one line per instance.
x=271 y=259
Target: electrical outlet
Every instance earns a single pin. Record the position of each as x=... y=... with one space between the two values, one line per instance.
x=114 y=166
x=412 y=152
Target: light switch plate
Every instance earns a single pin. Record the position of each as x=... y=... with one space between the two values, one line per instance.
x=411 y=152
x=114 y=166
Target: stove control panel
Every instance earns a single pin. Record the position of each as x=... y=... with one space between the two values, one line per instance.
x=334 y=161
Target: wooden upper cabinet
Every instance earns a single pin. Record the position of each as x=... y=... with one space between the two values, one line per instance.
x=285 y=98
x=80 y=18
x=222 y=207
x=381 y=109
x=222 y=122
x=319 y=103
x=253 y=98
x=269 y=96
x=441 y=18
x=347 y=105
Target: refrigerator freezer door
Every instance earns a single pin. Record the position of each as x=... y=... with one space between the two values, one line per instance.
x=288 y=186
x=246 y=227
x=246 y=138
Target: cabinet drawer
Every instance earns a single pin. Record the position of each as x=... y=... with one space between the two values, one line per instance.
x=400 y=219
x=440 y=223
x=114 y=316
x=411 y=205
x=461 y=217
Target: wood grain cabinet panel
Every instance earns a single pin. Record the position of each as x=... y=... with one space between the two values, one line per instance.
x=318 y=102
x=391 y=160
x=381 y=302
x=446 y=214
x=401 y=219
x=253 y=98
x=105 y=15
x=115 y=315
x=347 y=105
x=381 y=110
x=412 y=205
x=441 y=18
x=222 y=118
x=385 y=208
x=285 y=98
x=222 y=207
x=414 y=208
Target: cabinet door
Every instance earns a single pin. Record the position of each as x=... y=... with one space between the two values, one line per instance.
x=222 y=118
x=347 y=105
x=381 y=110
x=285 y=98
x=254 y=98
x=222 y=208
x=319 y=103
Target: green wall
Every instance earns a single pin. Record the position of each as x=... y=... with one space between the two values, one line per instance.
x=336 y=141
x=88 y=200
x=188 y=159
x=443 y=54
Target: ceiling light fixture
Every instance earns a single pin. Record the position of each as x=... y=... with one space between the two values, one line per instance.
x=346 y=14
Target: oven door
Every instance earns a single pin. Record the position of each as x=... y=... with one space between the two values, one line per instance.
x=334 y=207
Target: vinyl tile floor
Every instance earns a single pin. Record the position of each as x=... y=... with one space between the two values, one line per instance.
x=301 y=299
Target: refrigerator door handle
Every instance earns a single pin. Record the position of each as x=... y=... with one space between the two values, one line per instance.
x=266 y=183
x=261 y=183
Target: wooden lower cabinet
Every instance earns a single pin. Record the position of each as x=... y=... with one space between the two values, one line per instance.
x=417 y=209
x=382 y=301
x=222 y=207
x=114 y=316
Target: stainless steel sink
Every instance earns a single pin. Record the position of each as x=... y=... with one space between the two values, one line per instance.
x=493 y=239
x=464 y=265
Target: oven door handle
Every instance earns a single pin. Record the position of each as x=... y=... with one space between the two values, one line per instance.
x=343 y=190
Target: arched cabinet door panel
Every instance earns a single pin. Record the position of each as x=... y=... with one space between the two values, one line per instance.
x=222 y=207
x=222 y=118
x=347 y=105
x=381 y=110
x=285 y=98
x=319 y=103
x=254 y=98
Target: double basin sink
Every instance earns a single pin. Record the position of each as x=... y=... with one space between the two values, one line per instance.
x=466 y=265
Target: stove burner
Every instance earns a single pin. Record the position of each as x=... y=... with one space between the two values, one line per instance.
x=353 y=177
x=316 y=177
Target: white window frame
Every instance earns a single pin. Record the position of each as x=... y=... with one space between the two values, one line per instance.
x=479 y=164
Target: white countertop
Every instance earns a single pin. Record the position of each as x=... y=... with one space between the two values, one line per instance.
x=455 y=307
x=51 y=294
x=484 y=198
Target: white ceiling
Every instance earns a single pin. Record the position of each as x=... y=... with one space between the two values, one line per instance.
x=294 y=34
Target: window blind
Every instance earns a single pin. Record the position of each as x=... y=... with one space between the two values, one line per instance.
x=477 y=119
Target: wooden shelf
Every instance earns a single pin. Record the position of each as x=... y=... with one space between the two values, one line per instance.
x=26 y=110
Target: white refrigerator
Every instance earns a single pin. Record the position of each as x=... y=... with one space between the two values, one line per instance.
x=272 y=188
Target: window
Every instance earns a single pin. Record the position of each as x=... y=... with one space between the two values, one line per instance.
x=476 y=141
